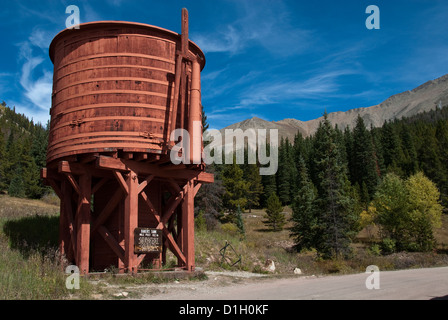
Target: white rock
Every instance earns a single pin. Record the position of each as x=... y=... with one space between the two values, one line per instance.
x=297 y=271
x=269 y=265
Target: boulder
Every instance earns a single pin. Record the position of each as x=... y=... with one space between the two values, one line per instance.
x=269 y=265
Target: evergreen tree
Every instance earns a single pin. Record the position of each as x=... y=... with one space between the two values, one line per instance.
x=429 y=157
x=17 y=187
x=409 y=162
x=442 y=141
x=348 y=142
x=391 y=145
x=363 y=161
x=269 y=186
x=377 y=151
x=236 y=188
x=333 y=202
x=255 y=189
x=283 y=186
x=287 y=173
x=240 y=222
x=275 y=218
x=3 y=184
x=269 y=183
x=209 y=199
x=306 y=227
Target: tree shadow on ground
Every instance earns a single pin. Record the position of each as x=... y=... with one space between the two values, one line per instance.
x=440 y=298
x=37 y=233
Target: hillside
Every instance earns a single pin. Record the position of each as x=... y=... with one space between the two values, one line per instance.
x=426 y=97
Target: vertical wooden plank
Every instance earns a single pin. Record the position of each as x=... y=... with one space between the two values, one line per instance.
x=70 y=240
x=131 y=222
x=83 y=224
x=64 y=232
x=120 y=238
x=188 y=226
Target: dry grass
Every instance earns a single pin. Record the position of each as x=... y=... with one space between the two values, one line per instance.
x=261 y=244
x=29 y=262
x=29 y=267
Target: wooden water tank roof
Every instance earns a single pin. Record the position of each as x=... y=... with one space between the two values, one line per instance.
x=114 y=24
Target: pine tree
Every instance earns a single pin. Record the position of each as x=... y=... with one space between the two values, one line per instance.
x=209 y=199
x=348 y=141
x=429 y=157
x=269 y=186
x=269 y=183
x=391 y=145
x=240 y=222
x=306 y=225
x=442 y=139
x=3 y=185
x=363 y=161
x=333 y=202
x=283 y=186
x=409 y=162
x=17 y=187
x=236 y=188
x=275 y=218
x=252 y=176
x=287 y=172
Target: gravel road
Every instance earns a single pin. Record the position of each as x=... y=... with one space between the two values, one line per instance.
x=414 y=284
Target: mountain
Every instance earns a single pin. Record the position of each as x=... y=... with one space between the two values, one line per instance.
x=428 y=96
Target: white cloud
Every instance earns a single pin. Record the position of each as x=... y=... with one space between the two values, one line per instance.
x=267 y=24
x=34 y=79
x=278 y=91
x=229 y=40
x=40 y=38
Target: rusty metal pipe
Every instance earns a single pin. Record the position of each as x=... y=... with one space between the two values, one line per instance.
x=195 y=115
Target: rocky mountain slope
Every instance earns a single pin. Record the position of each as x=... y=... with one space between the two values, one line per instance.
x=428 y=96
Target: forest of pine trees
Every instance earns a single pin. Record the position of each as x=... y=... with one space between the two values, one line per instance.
x=23 y=147
x=329 y=179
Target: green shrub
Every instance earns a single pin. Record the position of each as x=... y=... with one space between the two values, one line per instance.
x=375 y=250
x=230 y=228
x=388 y=246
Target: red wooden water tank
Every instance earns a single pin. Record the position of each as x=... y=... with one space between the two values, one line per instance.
x=113 y=89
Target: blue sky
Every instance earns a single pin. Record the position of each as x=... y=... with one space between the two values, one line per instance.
x=271 y=59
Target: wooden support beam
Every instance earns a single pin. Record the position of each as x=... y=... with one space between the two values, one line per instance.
x=64 y=233
x=188 y=226
x=174 y=185
x=143 y=185
x=110 y=206
x=130 y=222
x=171 y=205
x=88 y=158
x=121 y=181
x=54 y=185
x=140 y=258
x=140 y=156
x=152 y=210
x=110 y=163
x=123 y=165
x=128 y=155
x=174 y=247
x=196 y=188
x=83 y=223
x=112 y=242
x=99 y=184
x=73 y=182
x=66 y=202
